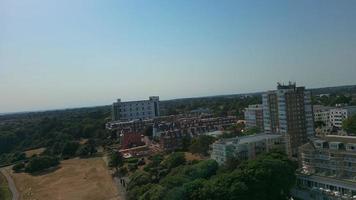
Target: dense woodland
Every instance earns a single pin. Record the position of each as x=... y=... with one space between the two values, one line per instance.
x=58 y=131
x=270 y=176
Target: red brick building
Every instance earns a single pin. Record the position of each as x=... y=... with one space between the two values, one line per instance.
x=131 y=139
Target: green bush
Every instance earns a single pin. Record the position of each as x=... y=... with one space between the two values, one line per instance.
x=18 y=167
x=41 y=163
x=132 y=167
x=131 y=160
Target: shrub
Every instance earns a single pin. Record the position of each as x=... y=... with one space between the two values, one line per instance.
x=40 y=163
x=131 y=160
x=132 y=167
x=18 y=167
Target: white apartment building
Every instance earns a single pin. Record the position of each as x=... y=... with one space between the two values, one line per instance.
x=131 y=110
x=333 y=116
x=246 y=147
x=338 y=115
x=327 y=169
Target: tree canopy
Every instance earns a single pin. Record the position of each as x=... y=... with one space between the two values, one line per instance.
x=270 y=176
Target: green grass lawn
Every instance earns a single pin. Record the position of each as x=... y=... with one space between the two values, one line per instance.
x=5 y=193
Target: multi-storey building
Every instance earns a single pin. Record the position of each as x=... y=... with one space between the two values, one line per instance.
x=288 y=111
x=322 y=114
x=194 y=126
x=339 y=114
x=125 y=111
x=171 y=140
x=333 y=116
x=246 y=147
x=327 y=168
x=254 y=116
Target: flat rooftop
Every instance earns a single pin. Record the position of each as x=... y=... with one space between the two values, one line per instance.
x=250 y=138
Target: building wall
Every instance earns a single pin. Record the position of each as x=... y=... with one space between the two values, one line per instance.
x=254 y=116
x=270 y=112
x=322 y=114
x=125 y=111
x=338 y=115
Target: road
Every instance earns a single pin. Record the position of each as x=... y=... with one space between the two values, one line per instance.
x=11 y=183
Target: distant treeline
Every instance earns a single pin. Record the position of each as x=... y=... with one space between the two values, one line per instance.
x=58 y=131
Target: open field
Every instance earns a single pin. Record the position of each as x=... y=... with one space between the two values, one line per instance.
x=76 y=179
x=5 y=193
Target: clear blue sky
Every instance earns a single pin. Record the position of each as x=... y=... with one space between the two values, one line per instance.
x=68 y=53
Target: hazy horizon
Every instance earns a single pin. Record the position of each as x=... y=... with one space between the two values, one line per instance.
x=70 y=54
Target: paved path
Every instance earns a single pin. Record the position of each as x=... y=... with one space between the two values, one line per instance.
x=11 y=183
x=122 y=190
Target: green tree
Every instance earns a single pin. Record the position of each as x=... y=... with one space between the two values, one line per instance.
x=201 y=144
x=18 y=167
x=70 y=148
x=174 y=160
x=40 y=163
x=116 y=160
x=349 y=124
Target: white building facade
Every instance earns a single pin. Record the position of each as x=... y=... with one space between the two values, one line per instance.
x=246 y=147
x=131 y=110
x=338 y=115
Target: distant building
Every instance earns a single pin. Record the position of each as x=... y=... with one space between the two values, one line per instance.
x=288 y=111
x=194 y=126
x=333 y=116
x=322 y=114
x=171 y=140
x=254 y=116
x=327 y=168
x=246 y=147
x=126 y=111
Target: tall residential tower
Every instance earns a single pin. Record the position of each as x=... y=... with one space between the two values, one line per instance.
x=288 y=111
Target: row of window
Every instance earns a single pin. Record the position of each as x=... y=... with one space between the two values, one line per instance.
x=135 y=114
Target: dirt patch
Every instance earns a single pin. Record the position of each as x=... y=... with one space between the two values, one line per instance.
x=32 y=152
x=190 y=157
x=76 y=179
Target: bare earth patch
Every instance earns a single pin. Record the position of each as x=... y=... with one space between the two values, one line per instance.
x=32 y=152
x=76 y=179
x=190 y=157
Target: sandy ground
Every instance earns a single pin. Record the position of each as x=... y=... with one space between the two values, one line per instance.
x=76 y=179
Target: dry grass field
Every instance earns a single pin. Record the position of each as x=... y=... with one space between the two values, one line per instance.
x=5 y=193
x=76 y=179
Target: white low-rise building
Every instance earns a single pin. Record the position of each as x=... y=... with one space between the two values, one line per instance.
x=338 y=115
x=332 y=116
x=246 y=147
